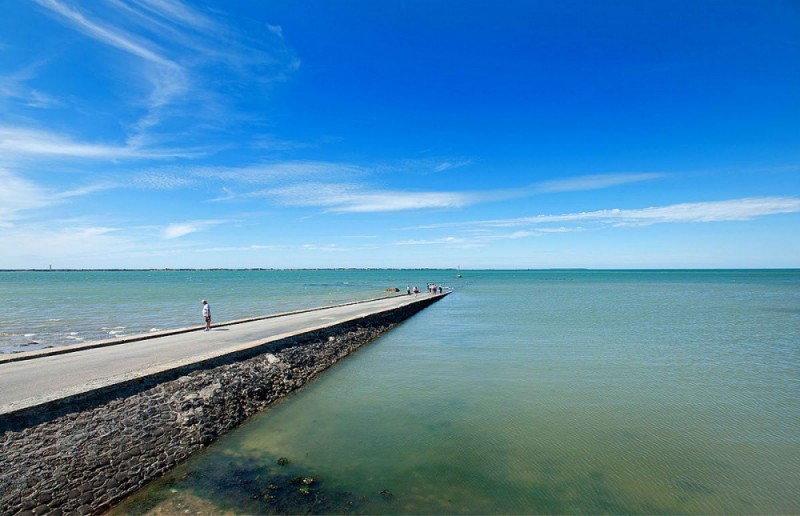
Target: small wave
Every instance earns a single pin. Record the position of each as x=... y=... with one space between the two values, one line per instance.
x=116 y=333
x=154 y=329
x=29 y=335
x=53 y=320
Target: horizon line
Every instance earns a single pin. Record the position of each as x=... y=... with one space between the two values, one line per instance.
x=543 y=269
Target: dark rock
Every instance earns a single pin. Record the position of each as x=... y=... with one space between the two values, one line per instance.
x=44 y=498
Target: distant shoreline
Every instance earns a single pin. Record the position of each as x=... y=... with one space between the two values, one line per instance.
x=278 y=269
x=189 y=269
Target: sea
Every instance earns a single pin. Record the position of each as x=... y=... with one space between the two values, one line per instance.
x=522 y=392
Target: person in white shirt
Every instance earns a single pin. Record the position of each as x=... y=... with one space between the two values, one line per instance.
x=207 y=314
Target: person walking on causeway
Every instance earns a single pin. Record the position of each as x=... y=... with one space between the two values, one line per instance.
x=207 y=314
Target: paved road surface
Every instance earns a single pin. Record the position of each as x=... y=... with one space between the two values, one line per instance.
x=26 y=383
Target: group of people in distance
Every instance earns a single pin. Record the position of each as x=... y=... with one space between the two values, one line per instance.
x=432 y=288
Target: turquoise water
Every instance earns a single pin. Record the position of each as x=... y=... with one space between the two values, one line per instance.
x=56 y=308
x=524 y=392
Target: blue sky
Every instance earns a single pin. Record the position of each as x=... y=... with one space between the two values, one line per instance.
x=532 y=134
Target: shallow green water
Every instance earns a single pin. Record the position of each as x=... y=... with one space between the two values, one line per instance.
x=538 y=392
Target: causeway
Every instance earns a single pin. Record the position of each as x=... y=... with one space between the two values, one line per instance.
x=35 y=378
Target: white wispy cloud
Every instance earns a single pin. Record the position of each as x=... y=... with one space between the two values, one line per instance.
x=696 y=212
x=313 y=184
x=227 y=195
x=18 y=195
x=175 y=45
x=162 y=181
x=713 y=211
x=168 y=79
x=14 y=86
x=238 y=249
x=281 y=172
x=177 y=11
x=561 y=229
x=20 y=142
x=371 y=202
x=106 y=34
x=448 y=240
x=271 y=142
x=450 y=165
x=594 y=182
x=354 y=198
x=327 y=248
x=276 y=29
x=85 y=190
x=179 y=229
x=477 y=239
x=37 y=99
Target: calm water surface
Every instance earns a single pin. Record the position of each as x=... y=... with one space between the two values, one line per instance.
x=536 y=392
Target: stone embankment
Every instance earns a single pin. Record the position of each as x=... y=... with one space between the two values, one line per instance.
x=83 y=458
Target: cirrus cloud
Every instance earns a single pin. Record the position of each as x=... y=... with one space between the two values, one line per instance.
x=17 y=143
x=179 y=229
x=693 y=212
x=594 y=182
x=351 y=198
